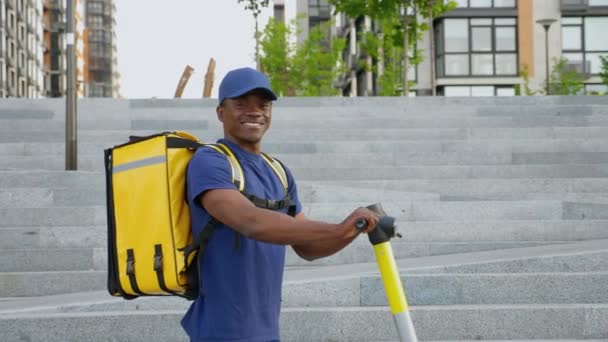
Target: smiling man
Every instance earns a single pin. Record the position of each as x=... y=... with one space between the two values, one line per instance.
x=242 y=269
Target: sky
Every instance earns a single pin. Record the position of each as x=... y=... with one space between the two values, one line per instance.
x=156 y=39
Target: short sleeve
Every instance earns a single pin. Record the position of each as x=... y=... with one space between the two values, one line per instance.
x=207 y=170
x=293 y=190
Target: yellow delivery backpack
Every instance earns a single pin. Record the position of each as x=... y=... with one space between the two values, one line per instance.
x=151 y=250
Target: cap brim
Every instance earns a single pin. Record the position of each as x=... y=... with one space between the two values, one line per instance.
x=244 y=91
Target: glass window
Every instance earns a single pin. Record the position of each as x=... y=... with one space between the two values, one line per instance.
x=596 y=89
x=574 y=58
x=572 y=21
x=481 y=22
x=483 y=64
x=504 y=3
x=595 y=28
x=583 y=43
x=505 y=21
x=481 y=3
x=457 y=91
x=481 y=38
x=598 y=2
x=506 y=64
x=471 y=47
x=593 y=62
x=456 y=65
x=505 y=91
x=505 y=39
x=571 y=38
x=456 y=35
x=462 y=3
x=482 y=91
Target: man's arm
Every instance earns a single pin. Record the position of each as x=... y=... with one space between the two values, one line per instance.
x=233 y=209
x=320 y=249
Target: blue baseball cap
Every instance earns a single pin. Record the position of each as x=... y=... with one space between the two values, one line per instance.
x=238 y=82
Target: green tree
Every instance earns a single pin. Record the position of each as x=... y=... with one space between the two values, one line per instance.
x=563 y=80
x=604 y=71
x=525 y=75
x=255 y=6
x=307 y=69
x=276 y=60
x=399 y=22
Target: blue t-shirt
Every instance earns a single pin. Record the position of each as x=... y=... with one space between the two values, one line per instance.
x=242 y=288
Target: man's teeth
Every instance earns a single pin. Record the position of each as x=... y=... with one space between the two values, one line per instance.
x=255 y=124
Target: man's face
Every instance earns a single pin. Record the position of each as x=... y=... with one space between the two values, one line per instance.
x=246 y=118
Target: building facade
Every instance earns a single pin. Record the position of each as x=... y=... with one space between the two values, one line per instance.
x=101 y=78
x=21 y=48
x=54 y=51
x=483 y=47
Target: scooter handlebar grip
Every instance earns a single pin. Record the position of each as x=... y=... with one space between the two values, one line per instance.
x=361 y=224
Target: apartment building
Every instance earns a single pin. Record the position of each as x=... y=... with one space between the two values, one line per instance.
x=101 y=72
x=482 y=47
x=54 y=47
x=21 y=48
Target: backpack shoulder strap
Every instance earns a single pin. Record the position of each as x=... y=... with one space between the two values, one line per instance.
x=237 y=171
x=278 y=168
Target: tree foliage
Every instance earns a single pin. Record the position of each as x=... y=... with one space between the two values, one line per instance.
x=564 y=81
x=398 y=21
x=255 y=6
x=604 y=71
x=306 y=69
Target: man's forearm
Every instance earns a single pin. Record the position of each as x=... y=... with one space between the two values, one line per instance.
x=321 y=249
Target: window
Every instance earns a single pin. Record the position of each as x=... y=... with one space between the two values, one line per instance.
x=583 y=43
x=481 y=90
x=279 y=13
x=477 y=47
x=598 y=2
x=319 y=9
x=95 y=21
x=488 y=3
x=596 y=89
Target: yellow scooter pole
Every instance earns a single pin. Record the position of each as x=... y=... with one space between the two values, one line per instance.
x=380 y=239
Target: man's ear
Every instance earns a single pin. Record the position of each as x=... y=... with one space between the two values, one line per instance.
x=220 y=113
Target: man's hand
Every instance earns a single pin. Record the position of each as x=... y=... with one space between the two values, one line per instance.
x=349 y=224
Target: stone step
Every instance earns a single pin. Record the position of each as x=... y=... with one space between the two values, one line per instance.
x=391 y=152
x=55 y=237
x=20 y=284
x=387 y=108
x=586 y=165
x=404 y=212
x=285 y=108
x=368 y=291
x=90 y=196
x=442 y=234
x=384 y=147
x=46 y=197
x=477 y=322
x=288 y=135
x=303 y=122
x=21 y=259
x=492 y=188
x=592 y=261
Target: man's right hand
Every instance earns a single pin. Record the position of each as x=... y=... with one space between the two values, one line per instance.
x=349 y=225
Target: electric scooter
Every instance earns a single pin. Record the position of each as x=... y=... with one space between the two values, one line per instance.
x=380 y=238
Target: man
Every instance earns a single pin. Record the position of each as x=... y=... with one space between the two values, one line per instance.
x=241 y=287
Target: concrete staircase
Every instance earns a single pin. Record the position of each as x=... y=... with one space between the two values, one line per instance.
x=502 y=202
